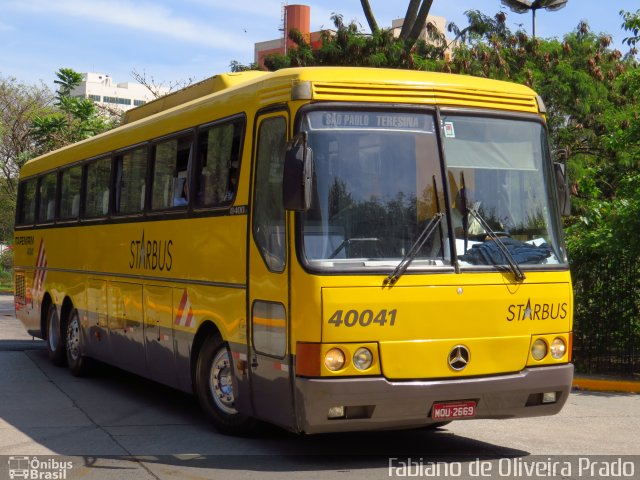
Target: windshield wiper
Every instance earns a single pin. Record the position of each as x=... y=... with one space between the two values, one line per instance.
x=412 y=253
x=350 y=241
x=427 y=231
x=413 y=250
x=465 y=209
x=513 y=264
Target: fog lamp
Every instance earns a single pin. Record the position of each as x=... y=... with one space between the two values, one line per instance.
x=363 y=358
x=334 y=359
x=558 y=348
x=336 y=412
x=549 y=397
x=539 y=349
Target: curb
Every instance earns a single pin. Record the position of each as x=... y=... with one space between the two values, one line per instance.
x=604 y=385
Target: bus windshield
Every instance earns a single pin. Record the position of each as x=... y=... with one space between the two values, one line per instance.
x=378 y=185
x=495 y=170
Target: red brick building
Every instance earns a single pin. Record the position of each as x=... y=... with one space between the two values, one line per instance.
x=296 y=17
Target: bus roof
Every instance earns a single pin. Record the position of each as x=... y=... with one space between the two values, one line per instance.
x=233 y=93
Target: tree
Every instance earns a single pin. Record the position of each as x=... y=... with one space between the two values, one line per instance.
x=349 y=47
x=631 y=23
x=236 y=66
x=159 y=89
x=20 y=104
x=72 y=120
x=68 y=79
x=415 y=20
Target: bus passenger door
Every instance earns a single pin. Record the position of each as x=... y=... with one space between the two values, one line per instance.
x=269 y=352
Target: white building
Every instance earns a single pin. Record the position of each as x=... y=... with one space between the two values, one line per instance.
x=104 y=91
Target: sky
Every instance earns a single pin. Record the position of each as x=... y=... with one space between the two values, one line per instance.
x=173 y=41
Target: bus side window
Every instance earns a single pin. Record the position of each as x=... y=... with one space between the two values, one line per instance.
x=47 y=206
x=70 y=195
x=131 y=171
x=169 y=187
x=219 y=150
x=96 y=201
x=27 y=202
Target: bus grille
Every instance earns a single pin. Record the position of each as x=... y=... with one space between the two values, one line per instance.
x=20 y=289
x=453 y=95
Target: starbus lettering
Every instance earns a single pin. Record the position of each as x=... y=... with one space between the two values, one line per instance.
x=147 y=254
x=537 y=311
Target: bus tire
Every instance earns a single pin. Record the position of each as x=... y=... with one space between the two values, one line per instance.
x=55 y=342
x=214 y=389
x=78 y=364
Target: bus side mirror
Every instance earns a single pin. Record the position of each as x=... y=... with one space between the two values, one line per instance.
x=297 y=182
x=562 y=185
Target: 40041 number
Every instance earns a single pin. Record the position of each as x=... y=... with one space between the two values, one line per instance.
x=363 y=318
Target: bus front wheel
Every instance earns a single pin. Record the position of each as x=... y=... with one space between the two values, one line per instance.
x=55 y=343
x=215 y=391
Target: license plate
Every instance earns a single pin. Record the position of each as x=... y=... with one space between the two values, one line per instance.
x=453 y=410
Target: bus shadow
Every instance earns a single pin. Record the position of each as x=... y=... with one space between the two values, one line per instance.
x=162 y=428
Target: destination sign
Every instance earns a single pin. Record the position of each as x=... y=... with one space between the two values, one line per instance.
x=370 y=120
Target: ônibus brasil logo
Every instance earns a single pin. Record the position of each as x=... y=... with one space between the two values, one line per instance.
x=35 y=468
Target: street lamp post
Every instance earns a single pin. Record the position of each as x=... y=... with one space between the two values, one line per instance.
x=522 y=6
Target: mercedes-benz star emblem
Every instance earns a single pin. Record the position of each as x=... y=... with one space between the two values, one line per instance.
x=459 y=357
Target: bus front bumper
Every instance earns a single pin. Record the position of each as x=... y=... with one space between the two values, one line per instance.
x=377 y=403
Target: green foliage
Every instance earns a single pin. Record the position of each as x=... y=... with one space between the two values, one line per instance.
x=347 y=46
x=67 y=80
x=631 y=23
x=73 y=119
x=236 y=66
x=33 y=121
x=19 y=105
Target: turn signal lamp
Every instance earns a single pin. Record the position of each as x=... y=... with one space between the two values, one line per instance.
x=334 y=359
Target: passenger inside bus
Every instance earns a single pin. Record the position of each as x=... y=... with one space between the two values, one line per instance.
x=181 y=195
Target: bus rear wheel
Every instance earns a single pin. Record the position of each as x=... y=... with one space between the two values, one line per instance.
x=79 y=365
x=215 y=391
x=55 y=343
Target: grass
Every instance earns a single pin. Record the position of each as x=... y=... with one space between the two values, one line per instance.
x=6 y=281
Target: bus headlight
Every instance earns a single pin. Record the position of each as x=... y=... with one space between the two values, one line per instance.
x=363 y=358
x=539 y=349
x=334 y=359
x=558 y=348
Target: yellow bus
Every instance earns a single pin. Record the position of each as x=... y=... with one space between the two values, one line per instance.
x=324 y=249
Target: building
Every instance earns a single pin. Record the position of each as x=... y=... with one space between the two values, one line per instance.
x=295 y=17
x=298 y=17
x=105 y=92
x=439 y=22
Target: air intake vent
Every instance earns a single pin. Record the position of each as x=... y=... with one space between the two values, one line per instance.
x=453 y=96
x=20 y=289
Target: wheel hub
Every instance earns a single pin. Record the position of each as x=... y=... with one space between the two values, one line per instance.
x=221 y=383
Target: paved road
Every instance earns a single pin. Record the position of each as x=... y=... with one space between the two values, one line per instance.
x=116 y=425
